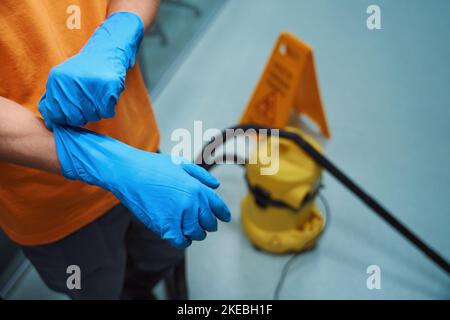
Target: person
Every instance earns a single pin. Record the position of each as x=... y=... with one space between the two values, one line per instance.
x=81 y=181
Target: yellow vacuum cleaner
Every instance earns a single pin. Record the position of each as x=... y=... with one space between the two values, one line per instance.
x=279 y=213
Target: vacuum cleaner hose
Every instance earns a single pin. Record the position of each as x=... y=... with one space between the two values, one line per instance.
x=326 y=164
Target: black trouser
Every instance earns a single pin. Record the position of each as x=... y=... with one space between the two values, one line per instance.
x=119 y=258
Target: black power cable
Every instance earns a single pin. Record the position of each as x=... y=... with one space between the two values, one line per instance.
x=348 y=183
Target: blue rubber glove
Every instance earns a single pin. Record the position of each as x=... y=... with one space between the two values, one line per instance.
x=176 y=201
x=86 y=87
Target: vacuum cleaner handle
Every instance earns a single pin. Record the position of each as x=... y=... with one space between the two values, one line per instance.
x=349 y=184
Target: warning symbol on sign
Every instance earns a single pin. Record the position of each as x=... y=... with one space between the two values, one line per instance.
x=266 y=106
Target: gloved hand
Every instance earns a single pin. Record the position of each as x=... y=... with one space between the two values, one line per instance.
x=174 y=200
x=86 y=87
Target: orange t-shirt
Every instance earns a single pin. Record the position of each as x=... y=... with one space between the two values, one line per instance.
x=37 y=207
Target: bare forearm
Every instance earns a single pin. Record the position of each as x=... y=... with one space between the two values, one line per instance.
x=145 y=9
x=24 y=139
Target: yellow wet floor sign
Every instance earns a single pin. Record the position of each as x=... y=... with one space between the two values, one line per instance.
x=289 y=81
